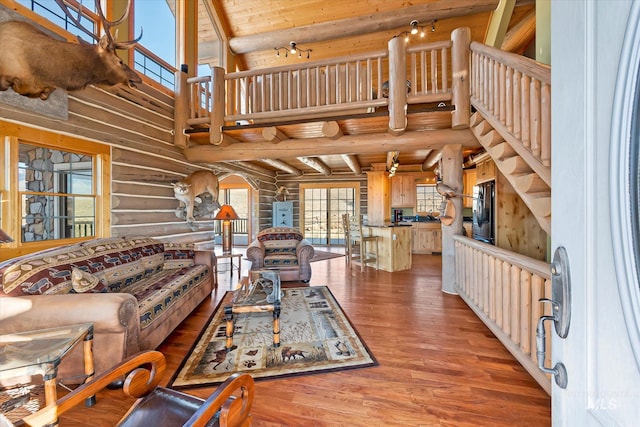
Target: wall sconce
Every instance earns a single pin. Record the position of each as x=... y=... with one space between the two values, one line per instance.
x=292 y=49
x=227 y=214
x=416 y=28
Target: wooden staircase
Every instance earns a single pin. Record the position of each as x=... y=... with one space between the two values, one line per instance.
x=512 y=98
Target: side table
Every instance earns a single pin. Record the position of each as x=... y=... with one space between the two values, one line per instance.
x=39 y=352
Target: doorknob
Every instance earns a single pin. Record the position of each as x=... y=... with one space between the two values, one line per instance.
x=560 y=313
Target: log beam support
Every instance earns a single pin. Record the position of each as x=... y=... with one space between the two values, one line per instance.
x=273 y=134
x=353 y=163
x=451 y=177
x=316 y=164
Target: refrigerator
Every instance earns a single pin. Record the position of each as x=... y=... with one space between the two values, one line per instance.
x=484 y=207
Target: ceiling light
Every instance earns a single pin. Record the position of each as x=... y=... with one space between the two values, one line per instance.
x=292 y=49
x=414 y=27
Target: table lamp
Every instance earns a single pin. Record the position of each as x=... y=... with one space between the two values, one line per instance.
x=226 y=214
x=4 y=237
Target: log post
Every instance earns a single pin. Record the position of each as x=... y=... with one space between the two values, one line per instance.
x=451 y=177
x=218 y=107
x=397 y=86
x=461 y=38
x=181 y=112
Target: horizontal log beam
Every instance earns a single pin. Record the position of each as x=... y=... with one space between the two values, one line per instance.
x=354 y=144
x=348 y=27
x=283 y=166
x=316 y=164
x=352 y=161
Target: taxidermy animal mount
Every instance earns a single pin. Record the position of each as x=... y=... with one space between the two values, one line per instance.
x=188 y=190
x=34 y=64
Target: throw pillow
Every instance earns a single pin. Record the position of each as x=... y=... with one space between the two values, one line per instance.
x=83 y=281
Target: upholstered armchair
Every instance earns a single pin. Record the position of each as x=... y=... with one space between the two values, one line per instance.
x=283 y=249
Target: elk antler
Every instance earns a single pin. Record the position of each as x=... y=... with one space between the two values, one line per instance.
x=106 y=24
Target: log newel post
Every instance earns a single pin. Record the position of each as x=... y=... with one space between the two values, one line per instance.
x=181 y=112
x=217 y=106
x=461 y=38
x=452 y=178
x=397 y=85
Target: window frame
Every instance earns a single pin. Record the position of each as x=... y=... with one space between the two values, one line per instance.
x=11 y=136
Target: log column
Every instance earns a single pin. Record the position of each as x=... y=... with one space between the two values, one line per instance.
x=461 y=82
x=217 y=112
x=397 y=86
x=451 y=177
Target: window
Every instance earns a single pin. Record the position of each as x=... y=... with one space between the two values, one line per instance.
x=323 y=209
x=56 y=193
x=428 y=199
x=53 y=189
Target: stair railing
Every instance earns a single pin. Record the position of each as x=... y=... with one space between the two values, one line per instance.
x=513 y=93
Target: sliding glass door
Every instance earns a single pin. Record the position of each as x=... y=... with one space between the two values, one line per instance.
x=323 y=206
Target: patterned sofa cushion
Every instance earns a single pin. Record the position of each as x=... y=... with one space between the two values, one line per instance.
x=280 y=260
x=280 y=244
x=157 y=293
x=179 y=255
x=40 y=273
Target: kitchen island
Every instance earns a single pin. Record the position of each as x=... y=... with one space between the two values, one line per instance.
x=394 y=245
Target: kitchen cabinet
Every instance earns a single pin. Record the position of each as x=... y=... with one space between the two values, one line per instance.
x=485 y=171
x=378 y=206
x=403 y=191
x=426 y=237
x=469 y=180
x=394 y=246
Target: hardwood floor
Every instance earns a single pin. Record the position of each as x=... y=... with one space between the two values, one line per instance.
x=438 y=364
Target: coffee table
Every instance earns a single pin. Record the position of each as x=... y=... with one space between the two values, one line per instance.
x=40 y=351
x=259 y=293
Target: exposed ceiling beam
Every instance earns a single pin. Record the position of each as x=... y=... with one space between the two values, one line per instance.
x=353 y=163
x=518 y=38
x=353 y=144
x=391 y=156
x=279 y=164
x=331 y=130
x=432 y=159
x=373 y=23
x=426 y=157
x=273 y=134
x=317 y=164
x=243 y=167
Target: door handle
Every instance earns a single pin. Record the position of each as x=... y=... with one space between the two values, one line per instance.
x=560 y=313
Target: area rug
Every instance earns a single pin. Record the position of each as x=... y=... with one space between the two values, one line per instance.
x=315 y=336
x=322 y=255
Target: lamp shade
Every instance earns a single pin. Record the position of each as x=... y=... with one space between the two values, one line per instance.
x=4 y=237
x=226 y=212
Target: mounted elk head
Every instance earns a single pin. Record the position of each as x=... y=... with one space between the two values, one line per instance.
x=34 y=64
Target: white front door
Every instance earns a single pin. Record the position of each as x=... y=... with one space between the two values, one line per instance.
x=595 y=65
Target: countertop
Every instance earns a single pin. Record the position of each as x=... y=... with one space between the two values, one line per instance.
x=389 y=225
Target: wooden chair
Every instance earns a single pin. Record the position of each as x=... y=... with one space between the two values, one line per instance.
x=357 y=245
x=229 y=405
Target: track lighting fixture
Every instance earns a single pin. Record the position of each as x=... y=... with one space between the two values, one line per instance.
x=292 y=49
x=415 y=28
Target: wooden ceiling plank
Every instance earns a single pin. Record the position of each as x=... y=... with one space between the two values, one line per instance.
x=373 y=23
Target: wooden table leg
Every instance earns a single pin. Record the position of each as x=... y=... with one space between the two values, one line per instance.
x=276 y=324
x=89 y=369
x=228 y=316
x=50 y=391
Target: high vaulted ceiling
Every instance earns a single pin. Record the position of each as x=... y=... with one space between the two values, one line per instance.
x=335 y=28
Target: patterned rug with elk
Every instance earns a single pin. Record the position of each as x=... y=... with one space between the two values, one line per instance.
x=315 y=336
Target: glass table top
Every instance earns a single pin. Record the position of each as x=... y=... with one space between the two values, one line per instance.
x=38 y=347
x=263 y=288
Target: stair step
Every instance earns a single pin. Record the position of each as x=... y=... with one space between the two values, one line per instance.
x=481 y=129
x=491 y=138
x=476 y=118
x=515 y=165
x=530 y=183
x=502 y=150
x=540 y=206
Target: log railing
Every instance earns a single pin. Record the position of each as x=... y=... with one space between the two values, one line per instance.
x=504 y=288
x=348 y=83
x=429 y=72
x=514 y=93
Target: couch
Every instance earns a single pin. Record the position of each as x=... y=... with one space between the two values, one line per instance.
x=134 y=290
x=283 y=249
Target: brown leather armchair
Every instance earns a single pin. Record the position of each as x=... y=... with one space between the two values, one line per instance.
x=283 y=249
x=229 y=405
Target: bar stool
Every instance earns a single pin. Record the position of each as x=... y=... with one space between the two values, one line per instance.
x=358 y=247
